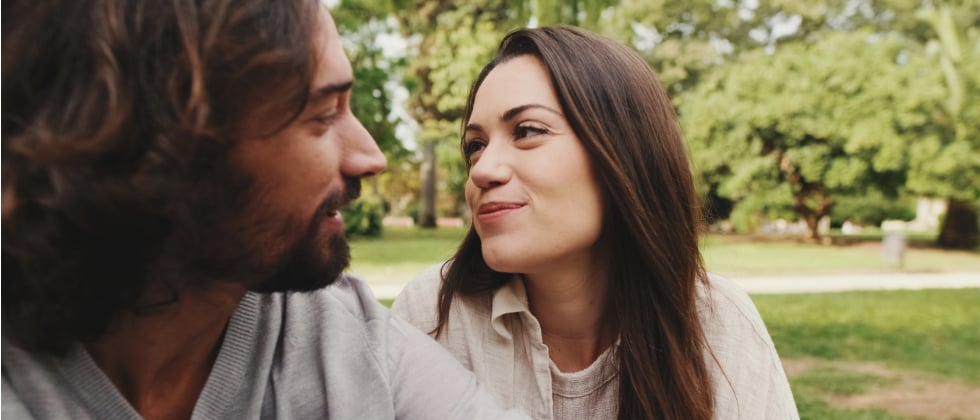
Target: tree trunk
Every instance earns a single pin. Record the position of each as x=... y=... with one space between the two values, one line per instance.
x=804 y=193
x=959 y=230
x=813 y=224
x=427 y=208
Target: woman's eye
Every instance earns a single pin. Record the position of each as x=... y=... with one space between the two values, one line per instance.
x=473 y=147
x=527 y=130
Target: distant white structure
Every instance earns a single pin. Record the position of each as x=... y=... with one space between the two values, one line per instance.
x=823 y=226
x=849 y=228
x=894 y=226
x=927 y=212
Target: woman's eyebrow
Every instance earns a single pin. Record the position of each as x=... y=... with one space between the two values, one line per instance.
x=510 y=114
x=473 y=127
x=513 y=112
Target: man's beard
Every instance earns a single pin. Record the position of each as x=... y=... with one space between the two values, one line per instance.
x=311 y=264
x=314 y=262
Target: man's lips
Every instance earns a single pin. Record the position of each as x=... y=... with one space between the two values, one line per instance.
x=331 y=205
x=493 y=207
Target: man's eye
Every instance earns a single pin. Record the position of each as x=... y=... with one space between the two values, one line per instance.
x=332 y=110
x=327 y=118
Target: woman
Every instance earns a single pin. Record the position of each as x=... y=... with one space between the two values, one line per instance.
x=579 y=292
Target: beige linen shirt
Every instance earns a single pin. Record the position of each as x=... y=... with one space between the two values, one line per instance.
x=498 y=338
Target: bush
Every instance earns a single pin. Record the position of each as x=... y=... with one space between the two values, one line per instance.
x=412 y=210
x=364 y=216
x=750 y=213
x=871 y=209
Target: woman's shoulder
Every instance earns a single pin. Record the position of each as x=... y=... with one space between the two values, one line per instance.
x=726 y=309
x=425 y=284
x=749 y=377
x=418 y=301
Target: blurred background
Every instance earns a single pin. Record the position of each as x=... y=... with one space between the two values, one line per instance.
x=796 y=112
x=836 y=144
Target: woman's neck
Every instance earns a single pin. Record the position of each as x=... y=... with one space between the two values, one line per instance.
x=571 y=308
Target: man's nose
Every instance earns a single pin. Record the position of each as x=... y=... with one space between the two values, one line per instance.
x=362 y=156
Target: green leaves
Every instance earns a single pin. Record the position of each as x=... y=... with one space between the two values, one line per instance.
x=817 y=96
x=826 y=117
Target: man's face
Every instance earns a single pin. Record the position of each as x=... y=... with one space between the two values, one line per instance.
x=301 y=176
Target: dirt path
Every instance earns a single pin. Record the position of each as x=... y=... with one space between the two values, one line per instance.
x=912 y=395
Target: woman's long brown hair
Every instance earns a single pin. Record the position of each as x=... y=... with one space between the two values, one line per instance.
x=615 y=104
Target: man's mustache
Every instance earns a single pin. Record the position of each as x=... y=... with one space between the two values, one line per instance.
x=335 y=201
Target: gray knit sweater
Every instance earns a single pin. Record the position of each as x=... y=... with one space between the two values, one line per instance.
x=334 y=353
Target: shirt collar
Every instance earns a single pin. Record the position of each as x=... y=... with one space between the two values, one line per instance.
x=508 y=299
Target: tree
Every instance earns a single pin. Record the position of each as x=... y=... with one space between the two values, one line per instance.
x=685 y=39
x=948 y=165
x=810 y=120
x=361 y=24
x=451 y=43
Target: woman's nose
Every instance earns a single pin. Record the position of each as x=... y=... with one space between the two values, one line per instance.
x=494 y=166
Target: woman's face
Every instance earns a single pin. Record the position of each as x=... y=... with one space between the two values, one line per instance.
x=535 y=200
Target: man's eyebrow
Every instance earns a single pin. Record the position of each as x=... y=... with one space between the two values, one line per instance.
x=323 y=92
x=510 y=114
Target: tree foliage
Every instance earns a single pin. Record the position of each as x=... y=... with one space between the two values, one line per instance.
x=451 y=42
x=786 y=104
x=949 y=166
x=821 y=117
x=377 y=76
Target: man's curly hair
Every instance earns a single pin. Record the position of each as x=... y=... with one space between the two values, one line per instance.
x=117 y=119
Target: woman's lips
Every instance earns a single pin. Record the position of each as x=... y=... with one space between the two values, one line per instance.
x=493 y=211
x=497 y=206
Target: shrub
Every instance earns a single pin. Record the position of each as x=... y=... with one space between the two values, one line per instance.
x=750 y=213
x=871 y=209
x=364 y=216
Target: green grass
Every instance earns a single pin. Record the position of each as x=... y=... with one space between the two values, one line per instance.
x=404 y=252
x=735 y=256
x=812 y=386
x=835 y=381
x=933 y=331
x=408 y=245
x=812 y=407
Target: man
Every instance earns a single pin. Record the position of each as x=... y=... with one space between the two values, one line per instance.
x=172 y=178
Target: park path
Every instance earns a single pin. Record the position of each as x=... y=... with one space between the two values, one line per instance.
x=804 y=284
x=848 y=282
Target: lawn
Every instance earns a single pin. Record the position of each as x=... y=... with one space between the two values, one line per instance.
x=811 y=387
x=732 y=255
x=404 y=252
x=932 y=331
